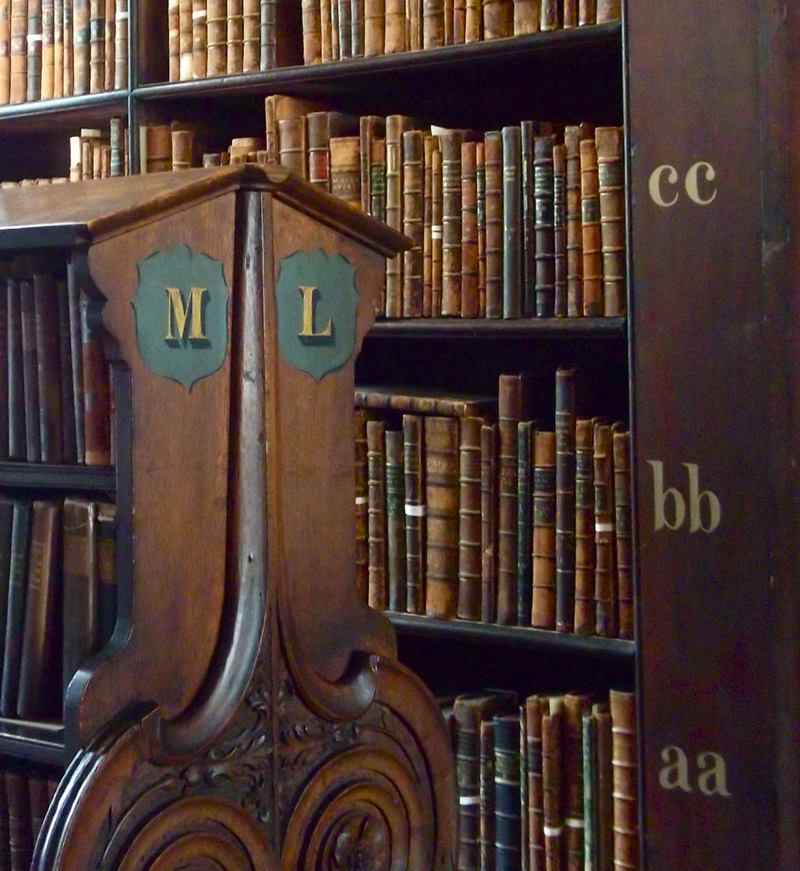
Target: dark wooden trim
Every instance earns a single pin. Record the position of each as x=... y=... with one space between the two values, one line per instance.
x=37 y=742
x=486 y=328
x=95 y=479
x=55 y=113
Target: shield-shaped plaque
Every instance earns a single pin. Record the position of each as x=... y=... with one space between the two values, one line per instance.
x=317 y=304
x=181 y=307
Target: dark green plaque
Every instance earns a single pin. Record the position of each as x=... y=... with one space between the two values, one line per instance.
x=317 y=304
x=181 y=307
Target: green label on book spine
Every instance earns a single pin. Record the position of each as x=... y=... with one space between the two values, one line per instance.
x=181 y=307
x=317 y=305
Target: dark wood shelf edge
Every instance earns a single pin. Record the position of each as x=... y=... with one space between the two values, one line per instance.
x=52 y=477
x=65 y=106
x=516 y=636
x=483 y=328
x=33 y=749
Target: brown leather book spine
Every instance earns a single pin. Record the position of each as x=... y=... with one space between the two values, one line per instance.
x=5 y=52
x=414 y=513
x=548 y=15
x=396 y=125
x=371 y=128
x=560 y=228
x=48 y=37
x=395 y=30
x=486 y=827
x=182 y=149
x=448 y=21
x=357 y=28
x=441 y=496
x=552 y=786
x=376 y=470
x=58 y=49
x=512 y=222
x=234 y=36
x=30 y=373
x=493 y=150
x=584 y=527
x=68 y=68
x=158 y=139
x=592 y=244
x=626 y=781
x=414 y=25
x=429 y=144
x=325 y=46
x=543 y=613
x=40 y=661
x=605 y=788
x=109 y=37
x=565 y=499
x=611 y=186
x=572 y=137
x=528 y=204
x=623 y=531
x=526 y=17
x=469 y=529
x=498 y=18
x=395 y=521
x=432 y=23
x=97 y=407
x=480 y=192
x=20 y=840
x=35 y=49
x=185 y=38
x=292 y=144
x=436 y=232
x=319 y=158
x=374 y=27
x=473 y=23
x=121 y=45
x=605 y=593
x=377 y=187
x=574 y=708
x=545 y=237
x=17 y=442
x=361 y=503
x=489 y=444
x=335 y=51
x=174 y=39
x=199 y=39
x=570 y=14
x=535 y=809
x=312 y=35
x=117 y=147
x=47 y=358
x=427 y=402
x=18 y=49
x=216 y=33
x=470 y=298
x=268 y=32
x=97 y=46
x=413 y=180
x=346 y=169
x=451 y=222
x=509 y=414
x=587 y=12
x=608 y=10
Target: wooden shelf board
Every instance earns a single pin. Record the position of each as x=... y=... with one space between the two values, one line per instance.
x=82 y=110
x=557 y=643
x=486 y=328
x=40 y=476
x=37 y=742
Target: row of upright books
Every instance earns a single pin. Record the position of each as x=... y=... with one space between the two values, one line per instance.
x=343 y=29
x=466 y=507
x=55 y=390
x=61 y=48
x=25 y=796
x=58 y=597
x=547 y=783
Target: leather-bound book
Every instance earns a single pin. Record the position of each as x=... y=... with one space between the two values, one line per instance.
x=605 y=788
x=552 y=786
x=535 y=820
x=432 y=23
x=346 y=170
x=58 y=48
x=234 y=35
x=436 y=232
x=608 y=10
x=414 y=469
x=459 y=21
x=493 y=160
x=292 y=144
x=592 y=244
x=371 y=128
x=158 y=148
x=15 y=612
x=40 y=659
x=451 y=222
x=39 y=800
x=611 y=185
x=376 y=471
x=5 y=51
x=498 y=18
x=525 y=435
x=217 y=37
x=17 y=441
x=374 y=27
x=69 y=439
x=523 y=788
x=565 y=499
x=623 y=532
x=589 y=738
x=469 y=528
x=361 y=502
x=109 y=38
x=325 y=45
x=549 y=15
x=480 y=192
x=185 y=38
x=395 y=521
x=121 y=45
x=473 y=21
x=587 y=12
x=96 y=413
x=377 y=185
x=30 y=373
x=76 y=360
x=312 y=36
x=425 y=401
x=626 y=780
x=199 y=39
x=335 y=52
x=20 y=839
x=174 y=39
x=605 y=592
x=560 y=228
x=80 y=584
x=48 y=366
x=470 y=299
x=357 y=28
x=509 y=414
x=68 y=68
x=318 y=125
x=507 y=793
x=545 y=238
x=268 y=33
x=526 y=17
x=572 y=138
x=48 y=37
x=441 y=498
x=106 y=572
x=575 y=706
x=35 y=49
x=512 y=219
x=117 y=144
x=396 y=125
x=527 y=135
x=395 y=32
x=18 y=49
x=430 y=142
x=584 y=527
x=413 y=156
x=414 y=25
x=489 y=443
x=276 y=108
x=486 y=828
x=448 y=21
x=570 y=14
x=97 y=46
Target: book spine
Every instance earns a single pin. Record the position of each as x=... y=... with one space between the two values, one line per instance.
x=49 y=377
x=96 y=414
x=584 y=527
x=182 y=148
x=591 y=232
x=319 y=157
x=605 y=594
x=570 y=14
x=489 y=439
x=527 y=137
x=367 y=131
x=251 y=35
x=535 y=821
x=605 y=789
x=512 y=214
x=312 y=33
x=109 y=37
x=525 y=433
x=97 y=48
x=507 y=793
x=493 y=159
x=486 y=829
x=76 y=356
x=625 y=779
x=48 y=38
x=80 y=584
x=34 y=50
x=612 y=217
x=15 y=616
x=441 y=496
x=473 y=23
x=374 y=27
x=590 y=855
x=17 y=441
x=346 y=170
x=5 y=52
x=335 y=52
x=608 y=10
x=451 y=222
x=429 y=143
x=58 y=48
x=395 y=127
x=68 y=68
x=292 y=144
x=552 y=787
x=436 y=232
x=376 y=471
x=509 y=413
x=623 y=531
x=414 y=513
x=345 y=30
x=574 y=708
x=560 y=228
x=470 y=298
x=459 y=21
x=572 y=137
x=174 y=40
x=525 y=859
x=548 y=15
x=414 y=25
x=395 y=32
x=361 y=503
x=480 y=218
x=199 y=39
x=413 y=156
x=325 y=46
x=20 y=839
x=357 y=27
x=395 y=521
x=543 y=610
x=587 y=12
x=4 y=379
x=121 y=46
x=234 y=36
x=268 y=28
x=216 y=33
x=469 y=530
x=18 y=49
x=545 y=239
x=377 y=185
x=448 y=21
x=432 y=23
x=498 y=18
x=106 y=572
x=117 y=146
x=565 y=499
x=526 y=17
x=186 y=39
x=30 y=373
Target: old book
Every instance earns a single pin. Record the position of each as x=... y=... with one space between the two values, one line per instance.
x=186 y=39
x=523 y=788
x=626 y=780
x=312 y=34
x=68 y=68
x=605 y=788
x=414 y=25
x=15 y=613
x=512 y=219
x=234 y=36
x=552 y=784
x=371 y=128
x=97 y=46
x=395 y=521
x=17 y=440
x=608 y=10
x=498 y=18
x=96 y=411
x=525 y=434
x=277 y=107
x=413 y=144
x=543 y=610
x=5 y=52
x=76 y=360
x=590 y=827
x=473 y=21
x=574 y=708
x=480 y=220
x=623 y=533
x=572 y=138
x=430 y=142
x=48 y=366
x=217 y=37
x=565 y=499
x=414 y=467
x=528 y=205
x=396 y=125
x=357 y=28
x=450 y=143
x=489 y=445
x=425 y=401
x=58 y=48
x=361 y=503
x=251 y=35
x=432 y=23
x=34 y=38
x=18 y=51
x=591 y=232
x=335 y=51
x=587 y=12
x=6 y=527
x=377 y=186
x=436 y=232
x=376 y=470
x=106 y=572
x=509 y=415
x=526 y=17
x=39 y=800
x=321 y=127
x=545 y=239
x=30 y=373
x=605 y=587
x=535 y=811
x=493 y=158
x=611 y=187
x=292 y=149
x=395 y=26
x=174 y=39
x=117 y=146
x=48 y=47
x=469 y=528
x=20 y=840
x=486 y=793
x=584 y=527
x=109 y=48
x=560 y=229
x=470 y=298
x=199 y=39
x=158 y=148
x=569 y=16
x=448 y=21
x=80 y=584
x=441 y=498
x=346 y=170
x=507 y=793
x=268 y=31
x=325 y=45
x=549 y=15
x=459 y=21
x=40 y=657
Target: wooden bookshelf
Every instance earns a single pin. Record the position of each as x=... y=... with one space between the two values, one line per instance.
x=484 y=329
x=39 y=476
x=32 y=741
